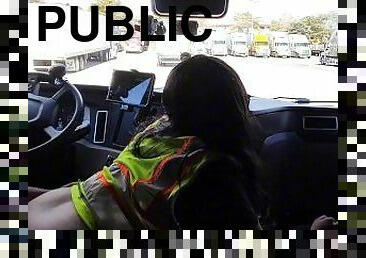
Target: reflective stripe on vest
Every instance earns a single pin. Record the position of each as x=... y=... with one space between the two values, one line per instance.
x=142 y=187
x=153 y=196
x=100 y=199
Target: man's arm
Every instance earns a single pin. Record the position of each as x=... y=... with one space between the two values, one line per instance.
x=54 y=210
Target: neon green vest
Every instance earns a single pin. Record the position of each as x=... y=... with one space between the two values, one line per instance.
x=142 y=188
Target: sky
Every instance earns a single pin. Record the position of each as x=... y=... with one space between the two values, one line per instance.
x=275 y=9
x=266 y=9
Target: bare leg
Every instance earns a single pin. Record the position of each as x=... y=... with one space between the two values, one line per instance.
x=54 y=210
x=34 y=192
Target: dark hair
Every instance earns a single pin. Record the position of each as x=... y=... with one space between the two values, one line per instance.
x=205 y=97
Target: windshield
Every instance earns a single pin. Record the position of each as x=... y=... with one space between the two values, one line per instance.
x=300 y=75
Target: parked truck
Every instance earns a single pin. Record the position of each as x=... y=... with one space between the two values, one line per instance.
x=134 y=44
x=60 y=47
x=216 y=45
x=330 y=54
x=197 y=48
x=260 y=46
x=299 y=46
x=169 y=52
x=280 y=44
x=316 y=49
x=237 y=44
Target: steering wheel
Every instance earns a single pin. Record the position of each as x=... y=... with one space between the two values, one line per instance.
x=42 y=110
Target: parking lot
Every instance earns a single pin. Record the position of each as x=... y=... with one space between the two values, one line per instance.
x=262 y=77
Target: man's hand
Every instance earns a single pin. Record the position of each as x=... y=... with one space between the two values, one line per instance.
x=324 y=222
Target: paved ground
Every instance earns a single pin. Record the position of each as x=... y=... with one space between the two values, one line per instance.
x=262 y=77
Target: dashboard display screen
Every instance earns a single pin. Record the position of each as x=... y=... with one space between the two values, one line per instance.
x=131 y=88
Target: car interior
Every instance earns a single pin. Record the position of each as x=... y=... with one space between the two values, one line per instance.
x=76 y=129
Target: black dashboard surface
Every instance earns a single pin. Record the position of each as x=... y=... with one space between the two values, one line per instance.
x=273 y=115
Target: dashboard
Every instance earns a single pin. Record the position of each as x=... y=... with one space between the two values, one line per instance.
x=113 y=124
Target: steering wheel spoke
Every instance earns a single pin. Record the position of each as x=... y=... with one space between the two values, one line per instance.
x=51 y=131
x=56 y=97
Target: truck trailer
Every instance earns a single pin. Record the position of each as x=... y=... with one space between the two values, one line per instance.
x=260 y=46
x=237 y=44
x=316 y=49
x=330 y=54
x=299 y=46
x=134 y=44
x=61 y=48
x=217 y=45
x=280 y=44
x=169 y=52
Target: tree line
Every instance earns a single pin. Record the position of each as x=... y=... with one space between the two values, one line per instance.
x=318 y=28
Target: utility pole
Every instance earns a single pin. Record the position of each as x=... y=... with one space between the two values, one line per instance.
x=253 y=2
x=252 y=22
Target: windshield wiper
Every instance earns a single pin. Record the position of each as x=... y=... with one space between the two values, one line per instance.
x=306 y=100
x=296 y=100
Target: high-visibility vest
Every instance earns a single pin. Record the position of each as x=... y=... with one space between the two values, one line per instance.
x=138 y=192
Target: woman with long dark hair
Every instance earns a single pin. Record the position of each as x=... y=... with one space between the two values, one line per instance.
x=205 y=97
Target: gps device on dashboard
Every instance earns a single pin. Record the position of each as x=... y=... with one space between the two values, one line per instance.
x=131 y=88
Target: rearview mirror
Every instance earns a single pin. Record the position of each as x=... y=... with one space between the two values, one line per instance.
x=131 y=88
x=218 y=8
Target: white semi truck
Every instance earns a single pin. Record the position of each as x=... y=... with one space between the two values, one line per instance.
x=316 y=49
x=134 y=44
x=299 y=46
x=216 y=44
x=279 y=44
x=237 y=44
x=330 y=54
x=61 y=48
x=169 y=52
